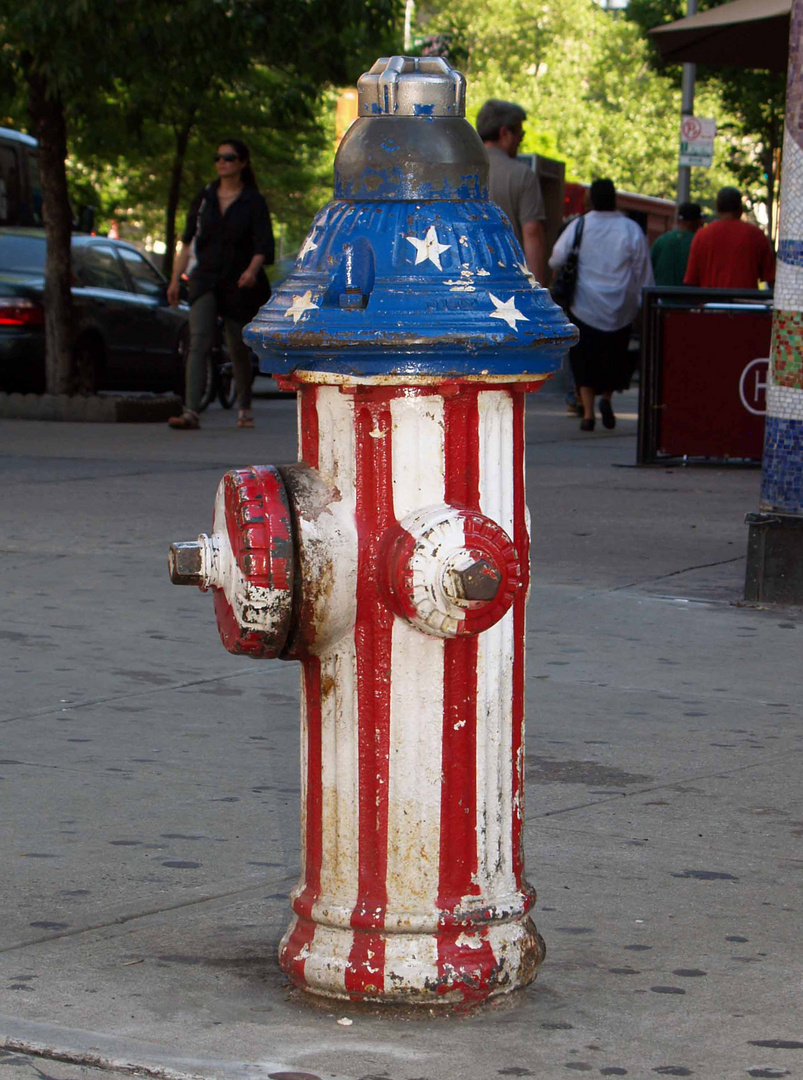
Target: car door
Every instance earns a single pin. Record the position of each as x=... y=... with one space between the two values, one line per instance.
x=102 y=296
x=155 y=326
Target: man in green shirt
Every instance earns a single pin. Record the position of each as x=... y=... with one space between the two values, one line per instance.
x=670 y=252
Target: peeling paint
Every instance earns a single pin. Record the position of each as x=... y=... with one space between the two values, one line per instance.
x=416 y=943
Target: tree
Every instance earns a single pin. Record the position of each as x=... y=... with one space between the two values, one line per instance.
x=245 y=59
x=127 y=174
x=593 y=96
x=753 y=102
x=584 y=78
x=158 y=60
x=48 y=47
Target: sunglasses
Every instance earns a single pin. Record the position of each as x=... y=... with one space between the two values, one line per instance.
x=226 y=157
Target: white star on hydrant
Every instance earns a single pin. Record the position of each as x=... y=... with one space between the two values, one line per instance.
x=507 y=311
x=308 y=245
x=299 y=305
x=428 y=248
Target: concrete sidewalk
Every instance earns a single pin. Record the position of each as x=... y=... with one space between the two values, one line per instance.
x=150 y=793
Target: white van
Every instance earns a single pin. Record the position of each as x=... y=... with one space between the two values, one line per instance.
x=20 y=188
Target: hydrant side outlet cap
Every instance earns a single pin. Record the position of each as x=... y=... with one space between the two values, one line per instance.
x=254 y=599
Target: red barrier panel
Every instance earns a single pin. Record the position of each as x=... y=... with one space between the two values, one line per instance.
x=704 y=373
x=713 y=382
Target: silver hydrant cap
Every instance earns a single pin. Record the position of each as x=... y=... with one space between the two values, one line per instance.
x=412 y=86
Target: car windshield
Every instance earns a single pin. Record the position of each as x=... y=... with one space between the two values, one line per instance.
x=25 y=254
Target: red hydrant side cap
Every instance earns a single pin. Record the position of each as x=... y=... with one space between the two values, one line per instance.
x=254 y=600
x=248 y=560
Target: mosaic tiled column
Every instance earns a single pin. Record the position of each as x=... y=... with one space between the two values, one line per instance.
x=775 y=546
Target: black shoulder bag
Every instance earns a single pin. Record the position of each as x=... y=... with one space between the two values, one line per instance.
x=566 y=278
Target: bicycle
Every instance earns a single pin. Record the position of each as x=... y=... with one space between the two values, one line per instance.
x=219 y=381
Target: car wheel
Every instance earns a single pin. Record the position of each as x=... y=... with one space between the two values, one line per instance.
x=87 y=361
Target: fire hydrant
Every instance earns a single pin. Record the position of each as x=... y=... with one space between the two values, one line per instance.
x=393 y=560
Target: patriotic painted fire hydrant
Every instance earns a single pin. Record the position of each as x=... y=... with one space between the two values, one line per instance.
x=393 y=560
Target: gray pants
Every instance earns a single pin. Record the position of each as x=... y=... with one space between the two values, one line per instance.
x=203 y=315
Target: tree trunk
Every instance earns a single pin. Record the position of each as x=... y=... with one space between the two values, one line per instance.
x=767 y=159
x=49 y=127
x=778 y=166
x=771 y=161
x=174 y=193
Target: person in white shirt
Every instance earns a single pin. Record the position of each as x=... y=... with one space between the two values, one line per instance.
x=613 y=267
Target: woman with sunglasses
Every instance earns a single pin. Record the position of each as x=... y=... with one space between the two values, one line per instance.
x=229 y=228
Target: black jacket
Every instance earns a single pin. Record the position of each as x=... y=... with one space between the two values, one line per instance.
x=224 y=247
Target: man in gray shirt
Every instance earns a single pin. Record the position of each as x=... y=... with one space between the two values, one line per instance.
x=511 y=184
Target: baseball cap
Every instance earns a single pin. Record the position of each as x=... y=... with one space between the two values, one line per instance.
x=689 y=211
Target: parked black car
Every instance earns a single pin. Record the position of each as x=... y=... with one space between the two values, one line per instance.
x=126 y=334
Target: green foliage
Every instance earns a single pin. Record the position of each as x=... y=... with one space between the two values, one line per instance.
x=139 y=91
x=169 y=80
x=130 y=169
x=584 y=78
x=748 y=106
x=54 y=38
x=594 y=94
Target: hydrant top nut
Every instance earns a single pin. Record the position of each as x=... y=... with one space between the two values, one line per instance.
x=412 y=86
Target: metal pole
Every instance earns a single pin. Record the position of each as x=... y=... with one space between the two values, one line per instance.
x=409 y=13
x=687 y=109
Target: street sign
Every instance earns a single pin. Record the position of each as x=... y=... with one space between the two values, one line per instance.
x=697 y=140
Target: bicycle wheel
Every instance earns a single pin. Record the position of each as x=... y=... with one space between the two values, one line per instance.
x=227 y=387
x=211 y=382
x=179 y=365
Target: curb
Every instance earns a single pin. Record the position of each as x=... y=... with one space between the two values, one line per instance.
x=94 y=409
x=123 y=1054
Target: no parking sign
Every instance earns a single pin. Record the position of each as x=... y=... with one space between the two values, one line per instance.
x=697 y=140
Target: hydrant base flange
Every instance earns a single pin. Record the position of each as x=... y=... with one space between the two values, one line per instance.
x=453 y=967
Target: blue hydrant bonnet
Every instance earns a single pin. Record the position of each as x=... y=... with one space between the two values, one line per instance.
x=411 y=270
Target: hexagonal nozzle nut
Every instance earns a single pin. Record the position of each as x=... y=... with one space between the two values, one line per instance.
x=479 y=581
x=186 y=563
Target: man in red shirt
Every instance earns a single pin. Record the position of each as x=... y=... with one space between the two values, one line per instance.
x=730 y=253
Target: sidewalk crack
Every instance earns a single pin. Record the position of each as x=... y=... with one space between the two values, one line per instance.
x=52 y=709
x=122 y=920
x=675 y=573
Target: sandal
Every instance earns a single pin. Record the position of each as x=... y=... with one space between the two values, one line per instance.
x=188 y=421
x=245 y=419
